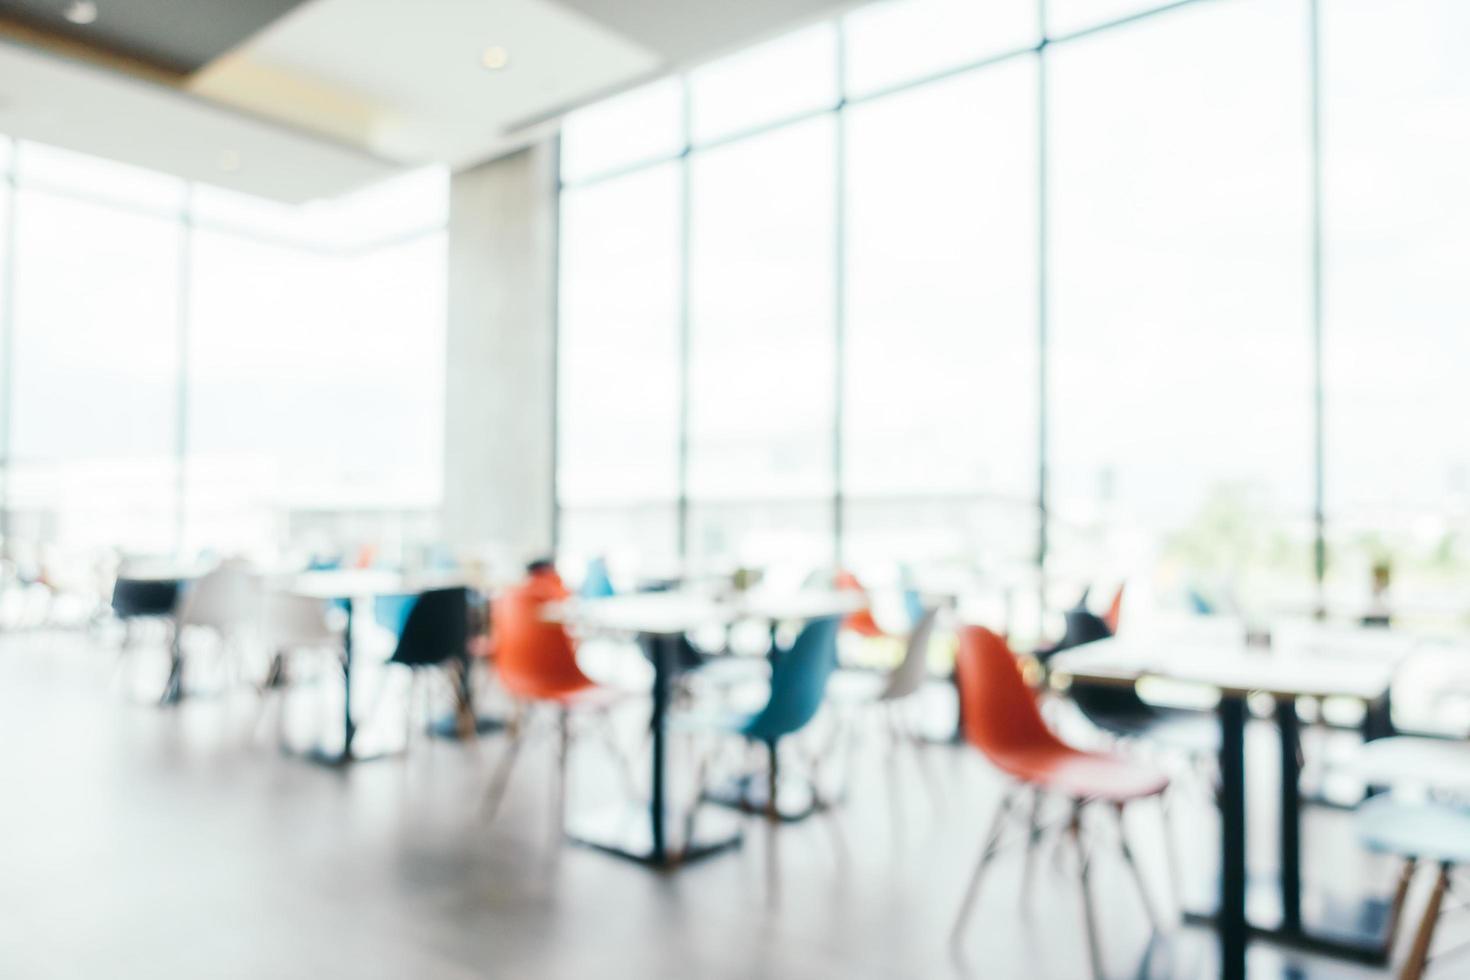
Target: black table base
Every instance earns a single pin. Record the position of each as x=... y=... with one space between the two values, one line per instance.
x=626 y=832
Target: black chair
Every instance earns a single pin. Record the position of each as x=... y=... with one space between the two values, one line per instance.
x=1118 y=709
x=137 y=598
x=436 y=636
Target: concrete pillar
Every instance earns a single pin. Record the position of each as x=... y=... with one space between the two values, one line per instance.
x=500 y=382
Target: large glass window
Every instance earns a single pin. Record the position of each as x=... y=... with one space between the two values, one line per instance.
x=1396 y=97
x=1180 y=340
x=95 y=375
x=761 y=339
x=620 y=361
x=778 y=79
x=941 y=340
x=644 y=124
x=895 y=41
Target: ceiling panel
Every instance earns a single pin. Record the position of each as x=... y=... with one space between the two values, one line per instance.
x=174 y=35
x=90 y=110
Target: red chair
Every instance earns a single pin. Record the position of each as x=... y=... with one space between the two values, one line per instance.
x=536 y=663
x=1115 y=611
x=861 y=621
x=1001 y=720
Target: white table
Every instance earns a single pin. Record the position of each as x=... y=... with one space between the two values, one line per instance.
x=1237 y=671
x=347 y=587
x=660 y=620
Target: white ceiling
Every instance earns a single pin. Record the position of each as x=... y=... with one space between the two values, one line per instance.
x=377 y=84
x=414 y=71
x=91 y=110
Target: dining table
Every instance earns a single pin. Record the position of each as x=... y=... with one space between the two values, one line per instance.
x=650 y=833
x=1239 y=671
x=348 y=588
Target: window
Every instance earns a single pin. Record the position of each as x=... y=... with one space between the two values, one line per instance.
x=1066 y=16
x=1396 y=96
x=1180 y=342
x=761 y=335
x=896 y=41
x=641 y=125
x=941 y=342
x=95 y=375
x=619 y=358
x=778 y=79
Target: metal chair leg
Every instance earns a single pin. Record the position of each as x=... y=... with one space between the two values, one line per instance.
x=563 y=752
x=1418 y=959
x=500 y=781
x=1135 y=870
x=1084 y=874
x=1171 y=854
x=992 y=839
x=1033 y=838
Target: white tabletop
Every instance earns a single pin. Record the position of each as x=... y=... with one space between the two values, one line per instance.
x=360 y=583
x=675 y=612
x=1231 y=668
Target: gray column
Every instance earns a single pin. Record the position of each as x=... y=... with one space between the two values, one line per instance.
x=500 y=382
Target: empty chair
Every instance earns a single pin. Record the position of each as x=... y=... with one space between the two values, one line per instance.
x=1119 y=710
x=225 y=602
x=536 y=663
x=435 y=637
x=597 y=583
x=291 y=624
x=1431 y=833
x=1001 y=719
x=859 y=621
x=799 y=677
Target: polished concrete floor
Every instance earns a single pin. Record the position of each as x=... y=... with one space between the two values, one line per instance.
x=158 y=843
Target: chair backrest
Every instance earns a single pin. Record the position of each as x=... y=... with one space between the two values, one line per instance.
x=913 y=605
x=998 y=709
x=596 y=584
x=391 y=611
x=296 y=621
x=861 y=621
x=226 y=598
x=436 y=630
x=798 y=681
x=534 y=659
x=913 y=670
x=144 y=597
x=1115 y=611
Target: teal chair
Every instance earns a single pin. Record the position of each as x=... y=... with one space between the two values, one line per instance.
x=596 y=584
x=1431 y=833
x=799 y=676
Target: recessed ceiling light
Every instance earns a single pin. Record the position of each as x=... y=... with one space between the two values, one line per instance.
x=495 y=57
x=80 y=11
x=229 y=161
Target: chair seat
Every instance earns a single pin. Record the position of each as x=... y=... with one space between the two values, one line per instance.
x=1193 y=731
x=1427 y=831
x=1405 y=760
x=1083 y=775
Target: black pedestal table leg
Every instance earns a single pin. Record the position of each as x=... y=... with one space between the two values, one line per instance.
x=664 y=649
x=1291 y=816
x=1232 y=922
x=173 y=689
x=348 y=728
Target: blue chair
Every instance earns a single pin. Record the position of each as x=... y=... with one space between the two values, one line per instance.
x=596 y=584
x=1430 y=832
x=799 y=676
x=913 y=605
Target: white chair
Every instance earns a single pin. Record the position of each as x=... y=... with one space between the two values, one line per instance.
x=224 y=602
